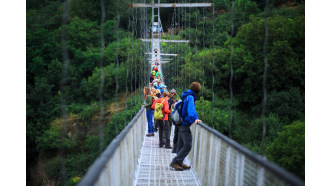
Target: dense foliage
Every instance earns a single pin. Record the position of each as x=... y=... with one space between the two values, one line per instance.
x=81 y=143
x=285 y=83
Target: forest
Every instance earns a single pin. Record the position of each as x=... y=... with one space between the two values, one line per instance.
x=87 y=70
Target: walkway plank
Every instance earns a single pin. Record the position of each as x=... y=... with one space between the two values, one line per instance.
x=153 y=166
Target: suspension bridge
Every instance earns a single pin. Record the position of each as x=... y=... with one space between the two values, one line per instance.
x=134 y=159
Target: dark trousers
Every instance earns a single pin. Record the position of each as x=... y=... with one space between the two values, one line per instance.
x=175 y=138
x=170 y=124
x=184 y=144
x=164 y=126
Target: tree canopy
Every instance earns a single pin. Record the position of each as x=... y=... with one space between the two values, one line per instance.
x=122 y=64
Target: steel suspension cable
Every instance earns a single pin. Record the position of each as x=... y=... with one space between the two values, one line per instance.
x=173 y=64
x=136 y=58
x=101 y=135
x=141 y=55
x=185 y=48
x=231 y=68
x=127 y=66
x=117 y=64
x=196 y=45
x=264 y=80
x=189 y=46
x=178 y=52
x=132 y=59
x=212 y=65
x=203 y=76
x=66 y=63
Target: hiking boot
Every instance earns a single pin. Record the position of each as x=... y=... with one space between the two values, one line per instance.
x=152 y=134
x=168 y=147
x=160 y=146
x=185 y=167
x=149 y=135
x=176 y=166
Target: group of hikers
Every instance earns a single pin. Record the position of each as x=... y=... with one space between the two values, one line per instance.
x=155 y=75
x=160 y=106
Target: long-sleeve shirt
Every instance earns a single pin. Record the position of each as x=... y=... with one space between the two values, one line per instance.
x=148 y=103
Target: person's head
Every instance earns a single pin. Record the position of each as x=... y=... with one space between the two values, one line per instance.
x=153 y=90
x=166 y=95
x=146 y=92
x=173 y=93
x=162 y=87
x=158 y=93
x=195 y=87
x=156 y=69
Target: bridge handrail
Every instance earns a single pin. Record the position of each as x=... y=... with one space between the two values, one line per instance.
x=278 y=171
x=99 y=164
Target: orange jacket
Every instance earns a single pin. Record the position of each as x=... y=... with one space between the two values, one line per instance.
x=165 y=109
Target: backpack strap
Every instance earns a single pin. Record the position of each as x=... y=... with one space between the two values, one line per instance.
x=180 y=113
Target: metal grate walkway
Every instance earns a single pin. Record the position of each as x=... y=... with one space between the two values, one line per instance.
x=153 y=166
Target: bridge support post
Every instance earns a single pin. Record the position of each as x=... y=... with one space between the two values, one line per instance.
x=260 y=176
x=240 y=160
x=227 y=169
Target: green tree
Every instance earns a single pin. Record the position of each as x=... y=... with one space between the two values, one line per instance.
x=288 y=149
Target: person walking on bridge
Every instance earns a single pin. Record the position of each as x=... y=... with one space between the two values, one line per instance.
x=150 y=111
x=189 y=116
x=163 y=122
x=151 y=77
x=162 y=88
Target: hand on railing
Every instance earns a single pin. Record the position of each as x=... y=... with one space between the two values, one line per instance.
x=198 y=121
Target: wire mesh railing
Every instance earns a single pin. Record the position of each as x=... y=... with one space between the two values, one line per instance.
x=117 y=164
x=218 y=160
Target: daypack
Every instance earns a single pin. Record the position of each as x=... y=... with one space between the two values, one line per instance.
x=176 y=115
x=158 y=111
x=153 y=73
x=154 y=99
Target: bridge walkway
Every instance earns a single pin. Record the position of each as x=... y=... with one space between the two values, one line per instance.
x=153 y=165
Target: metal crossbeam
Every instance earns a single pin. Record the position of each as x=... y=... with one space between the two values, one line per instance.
x=165 y=40
x=161 y=62
x=167 y=59
x=163 y=54
x=158 y=60
x=169 y=5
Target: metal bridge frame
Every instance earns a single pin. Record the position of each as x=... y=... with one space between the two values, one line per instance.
x=95 y=171
x=286 y=176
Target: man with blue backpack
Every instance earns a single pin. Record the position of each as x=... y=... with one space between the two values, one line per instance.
x=188 y=116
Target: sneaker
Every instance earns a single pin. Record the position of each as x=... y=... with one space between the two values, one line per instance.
x=174 y=150
x=160 y=146
x=176 y=166
x=168 y=147
x=185 y=167
x=149 y=135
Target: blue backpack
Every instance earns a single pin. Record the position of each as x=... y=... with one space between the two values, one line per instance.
x=176 y=115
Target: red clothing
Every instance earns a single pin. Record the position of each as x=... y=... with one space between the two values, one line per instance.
x=165 y=109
